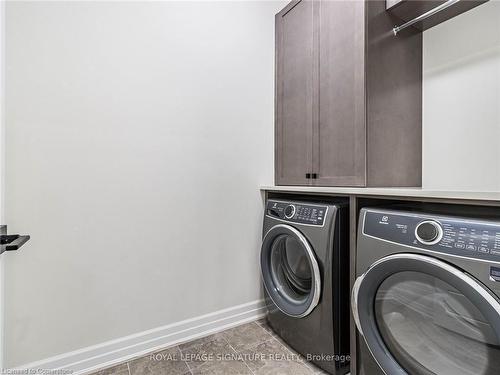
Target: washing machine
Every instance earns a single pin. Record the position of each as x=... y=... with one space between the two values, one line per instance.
x=305 y=270
x=426 y=297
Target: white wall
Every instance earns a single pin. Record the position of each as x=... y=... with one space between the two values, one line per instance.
x=461 y=113
x=137 y=136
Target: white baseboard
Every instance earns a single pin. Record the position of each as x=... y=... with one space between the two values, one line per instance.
x=93 y=358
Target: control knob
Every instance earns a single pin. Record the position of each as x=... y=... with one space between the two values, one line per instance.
x=290 y=211
x=429 y=232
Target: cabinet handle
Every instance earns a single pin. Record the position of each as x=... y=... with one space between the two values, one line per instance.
x=308 y=176
x=314 y=176
x=12 y=242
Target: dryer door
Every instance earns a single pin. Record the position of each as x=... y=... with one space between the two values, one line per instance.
x=420 y=315
x=290 y=271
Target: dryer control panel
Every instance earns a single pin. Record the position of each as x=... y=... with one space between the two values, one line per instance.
x=295 y=212
x=472 y=238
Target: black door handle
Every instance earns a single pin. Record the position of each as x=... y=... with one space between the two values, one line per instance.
x=12 y=242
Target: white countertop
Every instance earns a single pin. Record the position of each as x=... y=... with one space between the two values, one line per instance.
x=390 y=192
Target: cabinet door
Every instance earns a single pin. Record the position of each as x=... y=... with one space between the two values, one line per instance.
x=339 y=136
x=294 y=93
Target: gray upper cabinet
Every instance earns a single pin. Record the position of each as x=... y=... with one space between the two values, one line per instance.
x=339 y=136
x=348 y=96
x=294 y=86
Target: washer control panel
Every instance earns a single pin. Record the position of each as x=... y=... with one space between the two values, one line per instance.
x=301 y=213
x=452 y=235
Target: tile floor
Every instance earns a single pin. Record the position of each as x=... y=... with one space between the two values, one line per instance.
x=248 y=349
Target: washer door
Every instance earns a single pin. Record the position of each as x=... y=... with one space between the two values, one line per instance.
x=290 y=271
x=419 y=315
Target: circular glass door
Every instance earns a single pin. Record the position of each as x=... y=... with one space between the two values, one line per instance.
x=419 y=315
x=290 y=271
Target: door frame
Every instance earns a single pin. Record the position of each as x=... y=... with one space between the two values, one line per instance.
x=2 y=174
